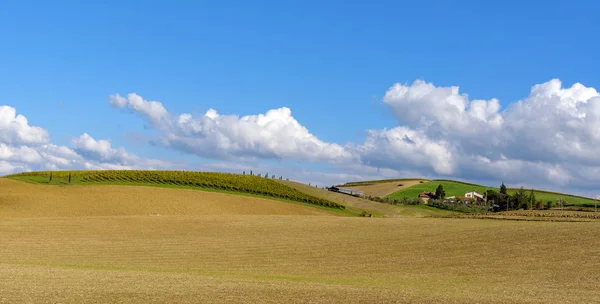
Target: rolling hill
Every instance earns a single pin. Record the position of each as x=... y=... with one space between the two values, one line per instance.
x=27 y=200
x=223 y=182
x=382 y=188
x=458 y=188
x=358 y=205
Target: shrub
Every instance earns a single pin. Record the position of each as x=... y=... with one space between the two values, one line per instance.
x=539 y=204
x=457 y=206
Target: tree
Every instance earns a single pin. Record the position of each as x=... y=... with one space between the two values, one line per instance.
x=244 y=173
x=250 y=172
x=495 y=198
x=519 y=198
x=503 y=189
x=267 y=175
x=532 y=200
x=439 y=192
x=549 y=204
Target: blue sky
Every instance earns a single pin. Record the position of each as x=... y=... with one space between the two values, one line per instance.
x=330 y=62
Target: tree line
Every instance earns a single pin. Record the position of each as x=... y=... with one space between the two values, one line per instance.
x=520 y=199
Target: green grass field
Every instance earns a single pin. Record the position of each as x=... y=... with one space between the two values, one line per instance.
x=454 y=188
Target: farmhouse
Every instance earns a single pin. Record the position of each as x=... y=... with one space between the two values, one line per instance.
x=346 y=191
x=426 y=196
x=475 y=196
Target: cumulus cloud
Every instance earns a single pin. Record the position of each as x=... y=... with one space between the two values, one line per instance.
x=16 y=129
x=151 y=110
x=548 y=138
x=273 y=135
x=24 y=148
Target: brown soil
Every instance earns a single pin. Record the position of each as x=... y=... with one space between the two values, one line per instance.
x=385 y=189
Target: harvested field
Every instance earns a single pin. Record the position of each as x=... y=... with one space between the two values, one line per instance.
x=358 y=205
x=296 y=259
x=533 y=215
x=384 y=189
x=20 y=199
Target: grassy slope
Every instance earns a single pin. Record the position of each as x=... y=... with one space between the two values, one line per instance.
x=458 y=188
x=358 y=204
x=296 y=259
x=23 y=200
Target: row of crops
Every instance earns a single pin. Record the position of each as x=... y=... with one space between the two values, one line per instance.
x=208 y=180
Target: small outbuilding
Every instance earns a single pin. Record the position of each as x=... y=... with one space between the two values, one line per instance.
x=426 y=196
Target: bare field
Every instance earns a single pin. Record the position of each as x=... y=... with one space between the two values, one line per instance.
x=20 y=199
x=358 y=205
x=317 y=259
x=385 y=189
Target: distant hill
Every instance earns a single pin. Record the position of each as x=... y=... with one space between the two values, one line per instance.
x=379 y=181
x=358 y=205
x=382 y=188
x=459 y=188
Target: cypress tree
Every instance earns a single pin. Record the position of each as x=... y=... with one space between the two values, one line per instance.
x=439 y=192
x=503 y=189
x=531 y=199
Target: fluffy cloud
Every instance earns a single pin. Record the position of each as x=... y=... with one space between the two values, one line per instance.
x=151 y=110
x=15 y=129
x=24 y=147
x=100 y=150
x=548 y=138
x=273 y=135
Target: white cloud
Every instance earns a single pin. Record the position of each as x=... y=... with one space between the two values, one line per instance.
x=25 y=148
x=15 y=129
x=273 y=135
x=404 y=148
x=101 y=150
x=548 y=138
x=151 y=110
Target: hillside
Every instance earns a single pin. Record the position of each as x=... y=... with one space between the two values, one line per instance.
x=358 y=205
x=382 y=188
x=26 y=200
x=457 y=188
x=381 y=181
x=231 y=183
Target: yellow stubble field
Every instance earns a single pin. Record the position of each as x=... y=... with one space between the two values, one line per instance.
x=294 y=258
